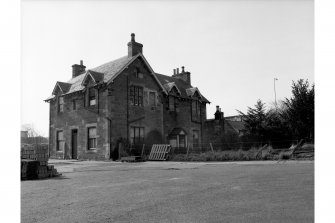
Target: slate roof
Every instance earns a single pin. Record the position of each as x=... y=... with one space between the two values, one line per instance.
x=183 y=86
x=105 y=71
x=108 y=71
x=236 y=125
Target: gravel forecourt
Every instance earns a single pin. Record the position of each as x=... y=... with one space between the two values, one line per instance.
x=98 y=191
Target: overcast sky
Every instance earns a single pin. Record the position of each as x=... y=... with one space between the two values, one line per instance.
x=233 y=49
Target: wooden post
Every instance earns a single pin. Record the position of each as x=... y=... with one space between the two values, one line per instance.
x=211 y=147
x=142 y=150
x=120 y=148
x=188 y=148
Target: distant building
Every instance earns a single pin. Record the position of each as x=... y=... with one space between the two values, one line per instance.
x=236 y=124
x=24 y=134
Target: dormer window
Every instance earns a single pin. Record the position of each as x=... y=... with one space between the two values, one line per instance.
x=91 y=97
x=60 y=104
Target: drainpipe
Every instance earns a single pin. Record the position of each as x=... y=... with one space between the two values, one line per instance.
x=127 y=108
x=201 y=122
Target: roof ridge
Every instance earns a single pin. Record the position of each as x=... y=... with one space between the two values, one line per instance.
x=124 y=57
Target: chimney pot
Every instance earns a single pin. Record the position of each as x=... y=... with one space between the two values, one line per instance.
x=182 y=69
x=177 y=70
x=133 y=37
x=81 y=62
x=217 y=108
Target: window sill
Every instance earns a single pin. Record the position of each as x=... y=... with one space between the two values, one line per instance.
x=91 y=150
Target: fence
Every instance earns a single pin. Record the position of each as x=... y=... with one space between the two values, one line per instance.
x=275 y=146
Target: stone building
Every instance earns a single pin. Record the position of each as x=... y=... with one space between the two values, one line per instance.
x=124 y=100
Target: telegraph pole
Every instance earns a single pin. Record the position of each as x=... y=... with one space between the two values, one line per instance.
x=274 y=88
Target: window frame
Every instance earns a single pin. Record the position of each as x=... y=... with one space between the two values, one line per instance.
x=89 y=138
x=136 y=139
x=74 y=104
x=196 y=110
x=60 y=104
x=172 y=103
x=58 y=140
x=136 y=95
x=154 y=102
x=92 y=96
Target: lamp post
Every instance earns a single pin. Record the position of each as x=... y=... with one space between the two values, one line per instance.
x=274 y=88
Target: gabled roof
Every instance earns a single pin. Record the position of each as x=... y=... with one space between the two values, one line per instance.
x=64 y=87
x=177 y=131
x=180 y=84
x=95 y=76
x=104 y=73
x=191 y=91
x=108 y=70
x=98 y=77
x=169 y=86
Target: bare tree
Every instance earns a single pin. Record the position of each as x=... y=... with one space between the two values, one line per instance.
x=33 y=135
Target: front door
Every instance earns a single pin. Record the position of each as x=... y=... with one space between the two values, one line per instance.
x=74 y=143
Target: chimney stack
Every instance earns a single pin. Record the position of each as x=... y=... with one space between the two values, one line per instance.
x=184 y=75
x=134 y=48
x=78 y=69
x=218 y=114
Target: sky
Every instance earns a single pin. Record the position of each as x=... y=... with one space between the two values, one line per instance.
x=233 y=49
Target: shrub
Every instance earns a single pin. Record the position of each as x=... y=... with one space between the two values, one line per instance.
x=284 y=155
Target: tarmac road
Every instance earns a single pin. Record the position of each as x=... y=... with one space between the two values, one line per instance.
x=93 y=191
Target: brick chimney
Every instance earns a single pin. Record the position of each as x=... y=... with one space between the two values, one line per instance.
x=184 y=75
x=78 y=69
x=133 y=47
x=218 y=114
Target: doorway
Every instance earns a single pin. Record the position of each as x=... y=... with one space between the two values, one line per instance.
x=74 y=143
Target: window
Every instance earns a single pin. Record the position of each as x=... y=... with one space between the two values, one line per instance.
x=196 y=110
x=172 y=103
x=152 y=99
x=136 y=135
x=182 y=141
x=136 y=95
x=75 y=104
x=59 y=141
x=195 y=138
x=60 y=104
x=92 y=138
x=138 y=73
x=91 y=97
